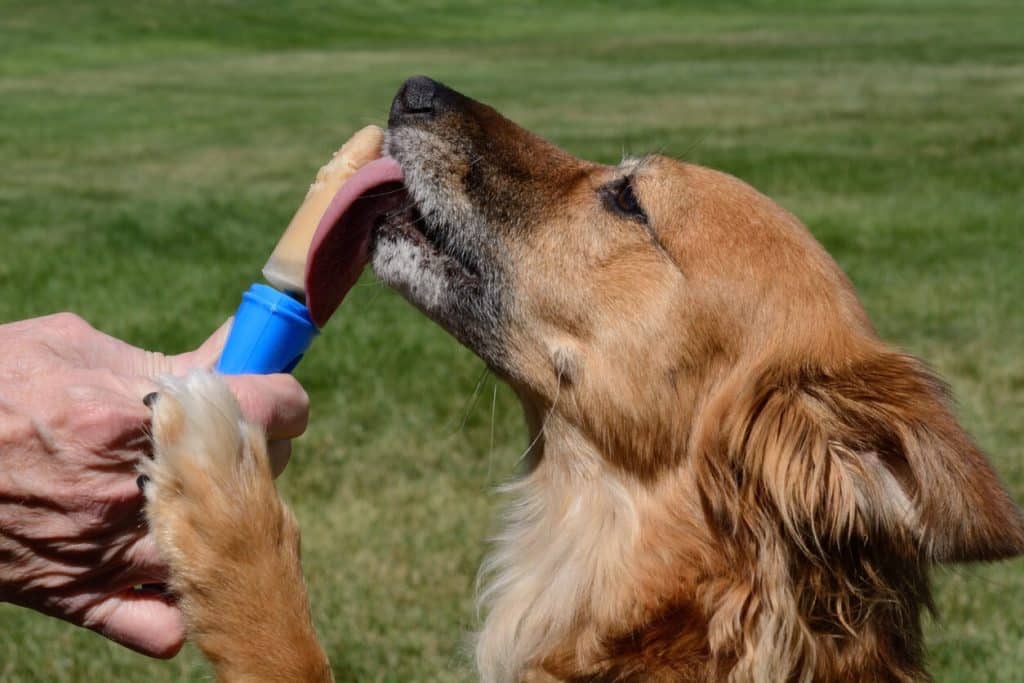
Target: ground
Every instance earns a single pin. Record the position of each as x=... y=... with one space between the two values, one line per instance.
x=151 y=154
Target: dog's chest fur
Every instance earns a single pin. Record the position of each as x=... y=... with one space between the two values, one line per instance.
x=577 y=583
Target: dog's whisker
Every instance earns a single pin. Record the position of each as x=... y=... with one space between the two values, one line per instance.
x=683 y=155
x=471 y=402
x=977 y=573
x=544 y=422
x=369 y=284
x=490 y=447
x=383 y=193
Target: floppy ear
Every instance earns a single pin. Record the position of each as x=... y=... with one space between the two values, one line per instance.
x=868 y=450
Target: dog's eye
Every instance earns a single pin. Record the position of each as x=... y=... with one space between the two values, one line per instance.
x=621 y=198
x=626 y=200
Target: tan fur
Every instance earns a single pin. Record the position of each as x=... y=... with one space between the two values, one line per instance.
x=231 y=544
x=729 y=476
x=783 y=479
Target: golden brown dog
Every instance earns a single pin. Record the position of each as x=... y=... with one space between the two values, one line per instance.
x=729 y=477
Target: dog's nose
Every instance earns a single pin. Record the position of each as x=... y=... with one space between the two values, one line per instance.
x=416 y=96
x=419 y=97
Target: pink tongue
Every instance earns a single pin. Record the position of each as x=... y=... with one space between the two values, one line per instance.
x=340 y=247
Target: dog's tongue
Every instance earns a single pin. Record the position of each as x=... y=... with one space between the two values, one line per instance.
x=340 y=247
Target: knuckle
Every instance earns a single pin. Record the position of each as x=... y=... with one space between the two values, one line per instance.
x=277 y=403
x=67 y=323
x=97 y=414
x=94 y=515
x=92 y=413
x=252 y=399
x=103 y=509
x=255 y=405
x=300 y=399
x=293 y=406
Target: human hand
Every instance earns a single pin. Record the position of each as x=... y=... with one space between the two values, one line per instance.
x=73 y=425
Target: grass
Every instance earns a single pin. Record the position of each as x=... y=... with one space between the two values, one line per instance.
x=151 y=153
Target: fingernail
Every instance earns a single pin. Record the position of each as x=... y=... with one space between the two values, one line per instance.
x=141 y=482
x=150 y=398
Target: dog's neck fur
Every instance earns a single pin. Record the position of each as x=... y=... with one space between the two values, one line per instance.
x=583 y=542
x=575 y=546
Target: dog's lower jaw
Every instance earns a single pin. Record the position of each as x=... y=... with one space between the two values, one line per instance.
x=467 y=306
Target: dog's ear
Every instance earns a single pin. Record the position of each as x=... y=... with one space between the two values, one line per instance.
x=870 y=450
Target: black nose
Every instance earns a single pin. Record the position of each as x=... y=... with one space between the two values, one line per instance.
x=418 y=98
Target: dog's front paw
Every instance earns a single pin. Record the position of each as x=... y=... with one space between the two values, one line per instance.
x=210 y=497
x=230 y=543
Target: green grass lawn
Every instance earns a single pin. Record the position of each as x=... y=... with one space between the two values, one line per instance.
x=151 y=153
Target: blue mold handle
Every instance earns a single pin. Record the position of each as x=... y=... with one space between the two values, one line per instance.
x=270 y=333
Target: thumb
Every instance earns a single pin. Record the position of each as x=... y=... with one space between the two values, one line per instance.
x=206 y=355
x=145 y=622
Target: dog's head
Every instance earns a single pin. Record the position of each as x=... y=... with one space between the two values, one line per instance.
x=679 y=318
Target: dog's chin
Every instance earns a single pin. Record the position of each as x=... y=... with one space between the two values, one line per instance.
x=454 y=289
x=412 y=257
x=436 y=253
x=406 y=259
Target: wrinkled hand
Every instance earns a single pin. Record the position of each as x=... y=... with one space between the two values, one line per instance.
x=73 y=542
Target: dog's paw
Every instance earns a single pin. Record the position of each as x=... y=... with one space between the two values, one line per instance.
x=231 y=544
x=210 y=497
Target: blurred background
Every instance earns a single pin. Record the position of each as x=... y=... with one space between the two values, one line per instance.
x=152 y=153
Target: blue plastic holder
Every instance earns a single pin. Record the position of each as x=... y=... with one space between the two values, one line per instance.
x=270 y=333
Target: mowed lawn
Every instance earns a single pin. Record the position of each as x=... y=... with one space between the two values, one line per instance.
x=151 y=153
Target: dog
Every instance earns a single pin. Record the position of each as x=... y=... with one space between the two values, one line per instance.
x=729 y=476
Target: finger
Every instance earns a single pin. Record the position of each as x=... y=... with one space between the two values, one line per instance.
x=206 y=355
x=140 y=390
x=278 y=403
x=85 y=346
x=142 y=564
x=146 y=622
x=105 y=413
x=130 y=389
x=279 y=452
